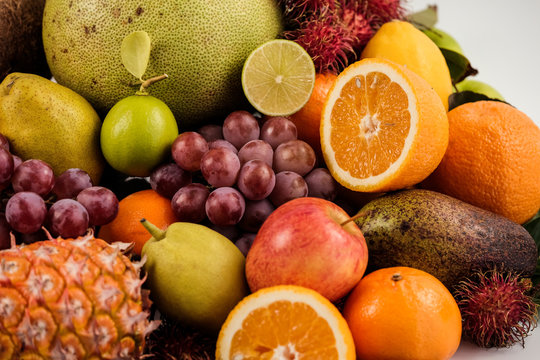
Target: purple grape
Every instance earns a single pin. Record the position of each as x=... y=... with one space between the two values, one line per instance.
x=256 y=213
x=221 y=143
x=16 y=161
x=33 y=175
x=231 y=232
x=277 y=130
x=100 y=203
x=5 y=233
x=225 y=206
x=25 y=212
x=31 y=238
x=68 y=218
x=211 y=132
x=321 y=184
x=256 y=150
x=187 y=150
x=244 y=243
x=289 y=185
x=220 y=167
x=6 y=168
x=188 y=203
x=4 y=143
x=256 y=180
x=166 y=179
x=68 y=184
x=294 y=155
x=240 y=127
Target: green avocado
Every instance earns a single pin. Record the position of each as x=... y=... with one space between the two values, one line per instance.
x=443 y=236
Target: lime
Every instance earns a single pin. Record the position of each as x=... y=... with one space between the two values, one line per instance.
x=278 y=77
x=137 y=134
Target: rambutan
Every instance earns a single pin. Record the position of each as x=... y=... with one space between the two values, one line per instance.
x=354 y=17
x=299 y=9
x=497 y=309
x=382 y=11
x=326 y=40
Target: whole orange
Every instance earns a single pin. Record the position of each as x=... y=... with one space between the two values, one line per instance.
x=308 y=118
x=492 y=160
x=126 y=227
x=403 y=313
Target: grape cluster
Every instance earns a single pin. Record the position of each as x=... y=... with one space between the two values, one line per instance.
x=33 y=198
x=235 y=174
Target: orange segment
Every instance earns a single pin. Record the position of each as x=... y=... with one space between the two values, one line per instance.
x=285 y=321
x=382 y=127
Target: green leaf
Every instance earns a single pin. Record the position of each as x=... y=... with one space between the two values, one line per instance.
x=462 y=97
x=459 y=65
x=135 y=52
x=424 y=19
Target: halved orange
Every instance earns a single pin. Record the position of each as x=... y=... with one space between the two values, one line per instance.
x=285 y=322
x=383 y=127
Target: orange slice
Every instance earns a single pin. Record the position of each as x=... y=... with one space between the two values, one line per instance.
x=285 y=322
x=383 y=127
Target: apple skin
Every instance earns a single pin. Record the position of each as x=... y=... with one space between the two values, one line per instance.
x=303 y=243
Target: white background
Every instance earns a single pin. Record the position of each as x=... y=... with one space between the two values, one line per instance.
x=501 y=39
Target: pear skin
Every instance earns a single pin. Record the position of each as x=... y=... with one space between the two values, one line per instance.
x=195 y=274
x=47 y=121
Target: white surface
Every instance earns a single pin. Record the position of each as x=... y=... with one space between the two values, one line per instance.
x=501 y=40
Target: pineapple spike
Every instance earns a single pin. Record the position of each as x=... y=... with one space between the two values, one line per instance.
x=12 y=240
x=124 y=247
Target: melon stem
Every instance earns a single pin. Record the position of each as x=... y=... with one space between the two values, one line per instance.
x=156 y=232
x=146 y=83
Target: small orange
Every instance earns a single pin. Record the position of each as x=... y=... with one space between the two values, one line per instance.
x=403 y=313
x=308 y=118
x=126 y=227
x=383 y=127
x=492 y=160
x=285 y=322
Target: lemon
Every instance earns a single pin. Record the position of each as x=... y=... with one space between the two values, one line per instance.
x=137 y=134
x=278 y=77
x=401 y=42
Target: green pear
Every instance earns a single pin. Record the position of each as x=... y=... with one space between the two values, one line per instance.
x=480 y=88
x=47 y=121
x=195 y=274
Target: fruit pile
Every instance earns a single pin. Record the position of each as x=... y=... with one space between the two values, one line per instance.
x=315 y=179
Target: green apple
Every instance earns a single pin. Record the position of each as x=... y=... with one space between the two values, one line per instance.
x=195 y=275
x=443 y=40
x=480 y=88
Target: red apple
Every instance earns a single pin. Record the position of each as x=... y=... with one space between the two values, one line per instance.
x=303 y=243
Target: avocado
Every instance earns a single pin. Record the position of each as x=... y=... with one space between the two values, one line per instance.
x=443 y=236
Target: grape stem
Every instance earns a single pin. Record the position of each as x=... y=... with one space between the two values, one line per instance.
x=146 y=83
x=359 y=215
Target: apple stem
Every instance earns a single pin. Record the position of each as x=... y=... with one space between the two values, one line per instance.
x=359 y=215
x=146 y=83
x=156 y=232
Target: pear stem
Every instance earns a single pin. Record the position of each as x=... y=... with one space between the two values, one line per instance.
x=359 y=215
x=156 y=232
x=146 y=83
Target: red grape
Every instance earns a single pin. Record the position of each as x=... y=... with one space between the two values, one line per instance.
x=33 y=175
x=244 y=243
x=211 y=132
x=166 y=179
x=25 y=212
x=68 y=184
x=5 y=233
x=187 y=150
x=6 y=168
x=294 y=155
x=225 y=206
x=4 y=143
x=256 y=150
x=289 y=185
x=277 y=130
x=321 y=184
x=188 y=203
x=220 y=167
x=240 y=127
x=256 y=180
x=255 y=214
x=68 y=218
x=100 y=203
x=221 y=143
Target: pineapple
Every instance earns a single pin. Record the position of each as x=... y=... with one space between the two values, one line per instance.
x=71 y=299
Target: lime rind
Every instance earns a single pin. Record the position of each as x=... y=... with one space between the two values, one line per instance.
x=278 y=77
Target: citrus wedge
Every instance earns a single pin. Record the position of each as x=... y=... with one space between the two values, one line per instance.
x=285 y=322
x=383 y=127
x=278 y=77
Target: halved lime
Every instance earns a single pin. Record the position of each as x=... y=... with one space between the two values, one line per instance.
x=278 y=77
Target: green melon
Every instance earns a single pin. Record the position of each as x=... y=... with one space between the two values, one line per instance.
x=200 y=44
